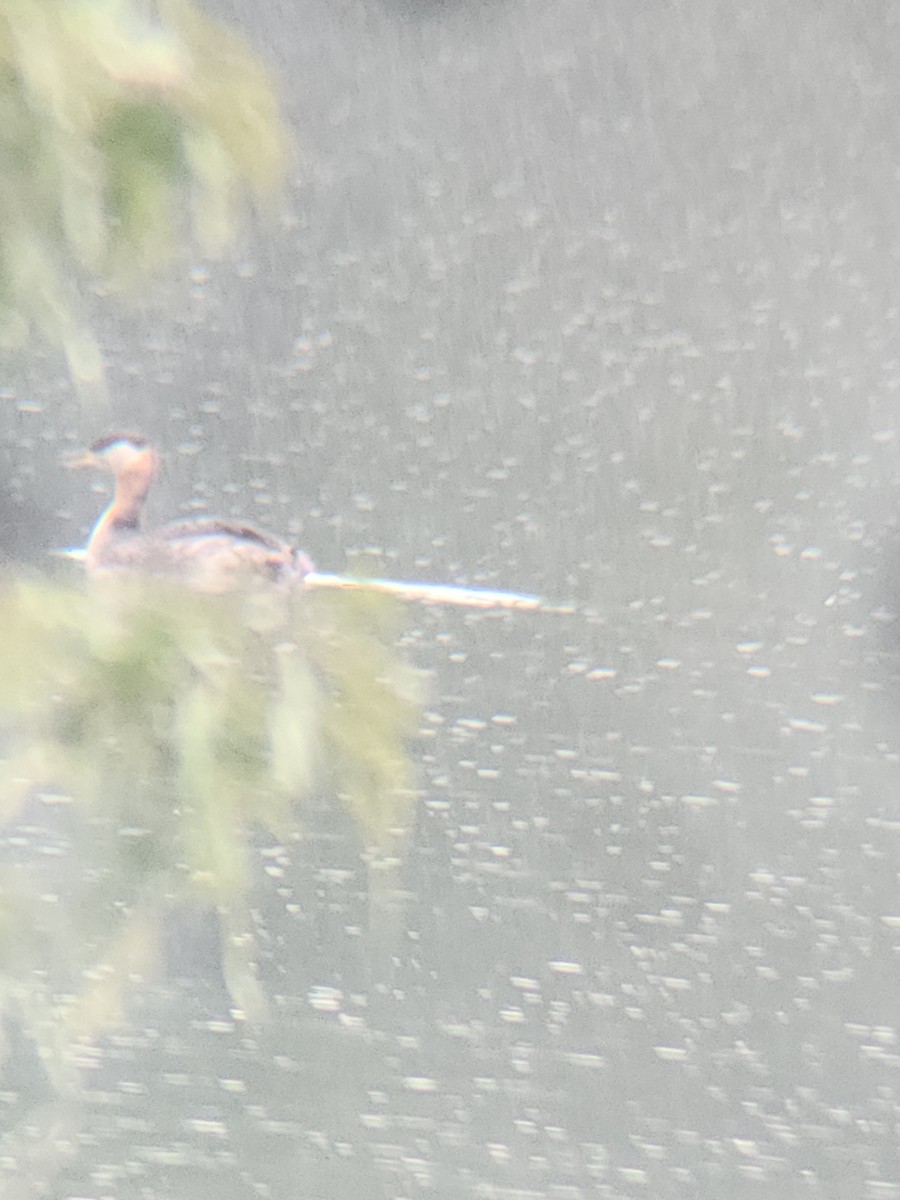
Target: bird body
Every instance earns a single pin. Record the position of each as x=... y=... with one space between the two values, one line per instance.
x=207 y=554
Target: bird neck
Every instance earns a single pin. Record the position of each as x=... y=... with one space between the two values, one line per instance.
x=122 y=516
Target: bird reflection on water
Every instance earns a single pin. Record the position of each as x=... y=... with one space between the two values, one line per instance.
x=210 y=554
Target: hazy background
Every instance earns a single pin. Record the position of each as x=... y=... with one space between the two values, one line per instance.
x=596 y=299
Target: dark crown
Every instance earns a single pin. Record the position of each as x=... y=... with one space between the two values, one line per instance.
x=110 y=439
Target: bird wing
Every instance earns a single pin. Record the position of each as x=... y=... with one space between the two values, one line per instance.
x=211 y=527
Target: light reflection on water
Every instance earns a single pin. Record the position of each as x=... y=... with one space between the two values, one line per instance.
x=589 y=305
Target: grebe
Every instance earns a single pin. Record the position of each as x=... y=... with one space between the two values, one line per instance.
x=208 y=554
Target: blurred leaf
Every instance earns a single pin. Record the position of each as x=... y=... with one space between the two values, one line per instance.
x=116 y=118
x=178 y=722
x=132 y=952
x=370 y=707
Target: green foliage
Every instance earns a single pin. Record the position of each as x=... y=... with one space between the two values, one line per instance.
x=116 y=118
x=173 y=723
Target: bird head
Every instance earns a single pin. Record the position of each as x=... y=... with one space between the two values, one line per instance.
x=127 y=456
